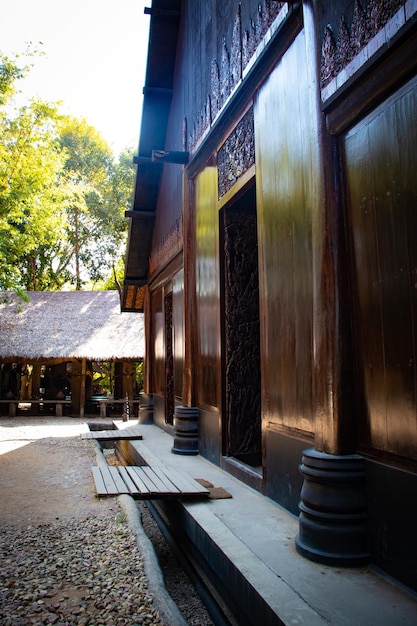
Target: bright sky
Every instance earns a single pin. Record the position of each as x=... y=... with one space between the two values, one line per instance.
x=95 y=59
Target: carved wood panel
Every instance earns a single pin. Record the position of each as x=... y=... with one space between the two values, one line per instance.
x=339 y=49
x=242 y=357
x=237 y=154
x=226 y=71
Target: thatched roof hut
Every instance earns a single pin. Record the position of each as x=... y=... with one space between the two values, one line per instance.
x=49 y=345
x=69 y=324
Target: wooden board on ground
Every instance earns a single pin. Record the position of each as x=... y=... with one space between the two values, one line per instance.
x=145 y=482
x=113 y=434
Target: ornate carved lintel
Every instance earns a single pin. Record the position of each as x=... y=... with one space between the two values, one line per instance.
x=170 y=245
x=365 y=25
x=237 y=154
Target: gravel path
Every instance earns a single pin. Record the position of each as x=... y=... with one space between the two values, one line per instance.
x=68 y=558
x=80 y=572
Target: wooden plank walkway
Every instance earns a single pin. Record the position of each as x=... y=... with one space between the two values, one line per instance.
x=113 y=434
x=145 y=482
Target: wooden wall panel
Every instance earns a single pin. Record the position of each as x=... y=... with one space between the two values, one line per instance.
x=207 y=28
x=381 y=164
x=209 y=39
x=178 y=331
x=207 y=289
x=157 y=343
x=286 y=188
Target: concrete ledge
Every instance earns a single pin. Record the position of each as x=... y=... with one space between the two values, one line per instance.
x=246 y=547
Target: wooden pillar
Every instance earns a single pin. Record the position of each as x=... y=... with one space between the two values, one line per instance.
x=146 y=398
x=189 y=292
x=333 y=366
x=36 y=380
x=127 y=386
x=118 y=380
x=76 y=386
x=186 y=417
x=333 y=508
x=128 y=380
x=82 y=387
x=24 y=383
x=147 y=330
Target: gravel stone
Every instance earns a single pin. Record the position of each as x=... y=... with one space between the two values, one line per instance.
x=37 y=589
x=68 y=558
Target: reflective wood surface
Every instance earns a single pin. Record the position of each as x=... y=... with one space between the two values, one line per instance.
x=381 y=165
x=286 y=199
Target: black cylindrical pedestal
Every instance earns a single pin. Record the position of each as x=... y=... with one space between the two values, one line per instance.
x=333 y=511
x=185 y=430
x=146 y=409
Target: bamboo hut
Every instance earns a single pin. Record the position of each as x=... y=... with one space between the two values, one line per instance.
x=68 y=351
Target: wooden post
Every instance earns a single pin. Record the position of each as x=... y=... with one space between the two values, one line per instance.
x=128 y=383
x=333 y=365
x=36 y=381
x=76 y=385
x=189 y=292
x=82 y=387
x=333 y=507
x=147 y=319
x=118 y=389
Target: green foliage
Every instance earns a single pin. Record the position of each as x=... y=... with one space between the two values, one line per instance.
x=99 y=190
x=30 y=217
x=11 y=71
x=103 y=378
x=115 y=279
x=139 y=376
x=62 y=195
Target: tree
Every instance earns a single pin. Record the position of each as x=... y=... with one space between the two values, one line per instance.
x=62 y=195
x=30 y=161
x=10 y=72
x=98 y=193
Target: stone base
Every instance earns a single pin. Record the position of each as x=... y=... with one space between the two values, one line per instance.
x=146 y=409
x=185 y=430
x=333 y=510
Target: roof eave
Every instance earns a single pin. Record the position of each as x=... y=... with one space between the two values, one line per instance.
x=157 y=94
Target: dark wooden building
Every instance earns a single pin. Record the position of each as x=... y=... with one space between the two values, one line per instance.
x=273 y=251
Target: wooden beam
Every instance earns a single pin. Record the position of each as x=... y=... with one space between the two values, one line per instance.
x=161 y=12
x=133 y=214
x=170 y=156
x=137 y=160
x=156 y=91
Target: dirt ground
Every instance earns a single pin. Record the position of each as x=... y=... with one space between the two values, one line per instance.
x=47 y=500
x=46 y=481
x=45 y=470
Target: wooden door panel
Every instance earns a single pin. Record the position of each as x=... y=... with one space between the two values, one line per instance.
x=286 y=196
x=208 y=289
x=381 y=165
